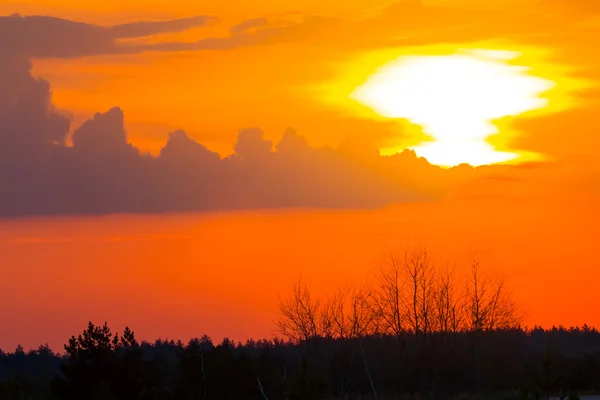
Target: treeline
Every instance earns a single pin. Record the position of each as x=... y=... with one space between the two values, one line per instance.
x=526 y=364
x=416 y=331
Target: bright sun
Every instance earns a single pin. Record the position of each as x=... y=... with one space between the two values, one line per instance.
x=455 y=99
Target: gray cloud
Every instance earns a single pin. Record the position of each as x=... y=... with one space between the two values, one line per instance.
x=41 y=36
x=403 y=23
x=148 y=28
x=250 y=24
x=102 y=173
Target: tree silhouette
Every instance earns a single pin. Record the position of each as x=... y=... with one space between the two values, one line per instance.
x=100 y=365
x=418 y=330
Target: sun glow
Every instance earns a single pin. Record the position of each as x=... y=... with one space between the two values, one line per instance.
x=455 y=99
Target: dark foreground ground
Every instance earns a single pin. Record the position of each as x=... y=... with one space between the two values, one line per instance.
x=516 y=363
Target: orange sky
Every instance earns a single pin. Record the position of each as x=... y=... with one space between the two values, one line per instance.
x=180 y=275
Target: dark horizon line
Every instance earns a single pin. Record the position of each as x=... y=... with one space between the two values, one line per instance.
x=584 y=328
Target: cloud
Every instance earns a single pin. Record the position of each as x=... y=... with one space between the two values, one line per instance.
x=102 y=173
x=96 y=239
x=148 y=28
x=251 y=146
x=408 y=23
x=249 y=25
x=402 y=23
x=44 y=36
x=26 y=110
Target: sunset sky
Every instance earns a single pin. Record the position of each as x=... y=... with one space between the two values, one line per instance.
x=175 y=165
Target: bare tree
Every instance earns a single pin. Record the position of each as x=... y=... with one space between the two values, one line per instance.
x=448 y=313
x=301 y=317
x=488 y=304
x=364 y=320
x=420 y=273
x=335 y=318
x=405 y=296
x=413 y=295
x=348 y=314
x=410 y=299
x=387 y=301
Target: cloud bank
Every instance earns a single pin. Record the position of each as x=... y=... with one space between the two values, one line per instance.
x=45 y=37
x=102 y=173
